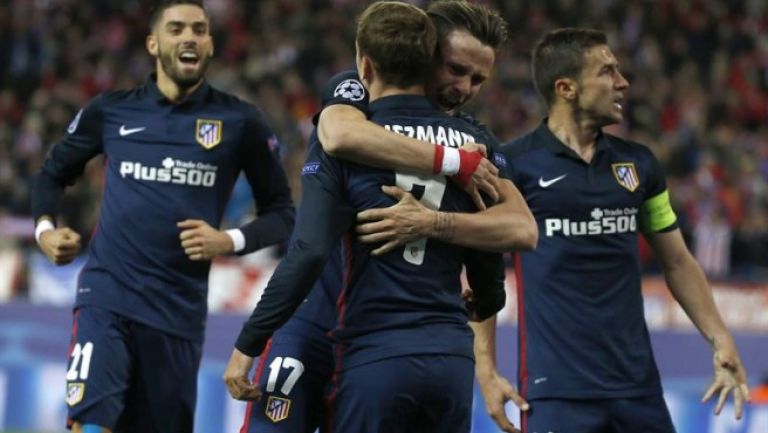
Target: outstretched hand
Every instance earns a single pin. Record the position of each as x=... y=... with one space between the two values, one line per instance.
x=403 y=222
x=730 y=377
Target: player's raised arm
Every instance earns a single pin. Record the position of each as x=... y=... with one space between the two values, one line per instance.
x=63 y=165
x=346 y=133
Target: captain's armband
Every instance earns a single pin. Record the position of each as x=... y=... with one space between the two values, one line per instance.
x=656 y=214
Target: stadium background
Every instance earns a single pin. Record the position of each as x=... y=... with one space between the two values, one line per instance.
x=698 y=96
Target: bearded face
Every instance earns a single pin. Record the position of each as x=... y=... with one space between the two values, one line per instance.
x=182 y=43
x=184 y=63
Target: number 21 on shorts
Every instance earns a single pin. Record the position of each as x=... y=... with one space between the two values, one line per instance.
x=80 y=363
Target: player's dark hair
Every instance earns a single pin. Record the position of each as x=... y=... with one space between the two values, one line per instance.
x=400 y=40
x=560 y=54
x=156 y=11
x=480 y=21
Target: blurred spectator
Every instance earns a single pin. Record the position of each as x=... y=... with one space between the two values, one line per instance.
x=698 y=72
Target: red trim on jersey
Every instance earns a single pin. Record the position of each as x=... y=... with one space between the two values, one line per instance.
x=75 y=326
x=522 y=342
x=330 y=413
x=524 y=422
x=346 y=251
x=256 y=376
x=95 y=230
x=73 y=339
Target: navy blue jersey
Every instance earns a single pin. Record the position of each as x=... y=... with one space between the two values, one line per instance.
x=320 y=306
x=402 y=303
x=164 y=163
x=582 y=328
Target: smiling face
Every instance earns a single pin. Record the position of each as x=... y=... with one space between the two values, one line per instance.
x=600 y=94
x=462 y=65
x=182 y=44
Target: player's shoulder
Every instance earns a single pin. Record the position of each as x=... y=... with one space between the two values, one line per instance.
x=469 y=118
x=235 y=106
x=344 y=86
x=520 y=146
x=628 y=147
x=113 y=97
x=227 y=100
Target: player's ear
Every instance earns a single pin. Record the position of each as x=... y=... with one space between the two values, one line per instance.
x=151 y=43
x=366 y=71
x=565 y=88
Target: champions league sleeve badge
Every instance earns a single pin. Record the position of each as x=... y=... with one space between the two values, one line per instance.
x=350 y=89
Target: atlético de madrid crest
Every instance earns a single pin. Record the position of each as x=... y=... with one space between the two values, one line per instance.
x=208 y=132
x=626 y=174
x=277 y=408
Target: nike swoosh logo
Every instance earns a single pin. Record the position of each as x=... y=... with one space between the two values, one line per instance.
x=125 y=131
x=547 y=183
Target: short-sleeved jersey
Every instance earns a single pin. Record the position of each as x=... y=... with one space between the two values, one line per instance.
x=164 y=163
x=582 y=328
x=405 y=302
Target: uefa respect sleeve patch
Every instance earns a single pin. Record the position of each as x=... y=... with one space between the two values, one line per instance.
x=657 y=213
x=310 y=168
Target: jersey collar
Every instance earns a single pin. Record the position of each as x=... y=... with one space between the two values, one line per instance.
x=197 y=97
x=550 y=142
x=401 y=102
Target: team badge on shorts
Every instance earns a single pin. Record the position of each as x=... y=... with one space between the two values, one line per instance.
x=208 y=132
x=626 y=174
x=277 y=408
x=75 y=392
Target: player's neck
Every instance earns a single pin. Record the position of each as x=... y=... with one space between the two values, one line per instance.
x=380 y=90
x=577 y=133
x=172 y=91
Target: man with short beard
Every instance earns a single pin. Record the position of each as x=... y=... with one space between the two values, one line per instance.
x=174 y=148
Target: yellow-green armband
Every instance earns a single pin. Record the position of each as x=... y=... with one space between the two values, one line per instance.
x=657 y=214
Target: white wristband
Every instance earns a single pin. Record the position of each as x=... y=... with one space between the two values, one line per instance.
x=238 y=239
x=451 y=162
x=43 y=226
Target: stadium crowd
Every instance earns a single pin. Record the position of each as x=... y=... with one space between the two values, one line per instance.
x=698 y=73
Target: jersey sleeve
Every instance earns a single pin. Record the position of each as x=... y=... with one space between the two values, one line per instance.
x=269 y=183
x=344 y=88
x=656 y=213
x=323 y=216
x=67 y=159
x=485 y=275
x=491 y=142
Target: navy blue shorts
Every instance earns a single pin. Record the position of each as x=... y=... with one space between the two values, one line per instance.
x=294 y=374
x=129 y=377
x=620 y=415
x=407 y=394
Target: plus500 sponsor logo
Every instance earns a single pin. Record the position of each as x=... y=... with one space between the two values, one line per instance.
x=604 y=222
x=172 y=171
